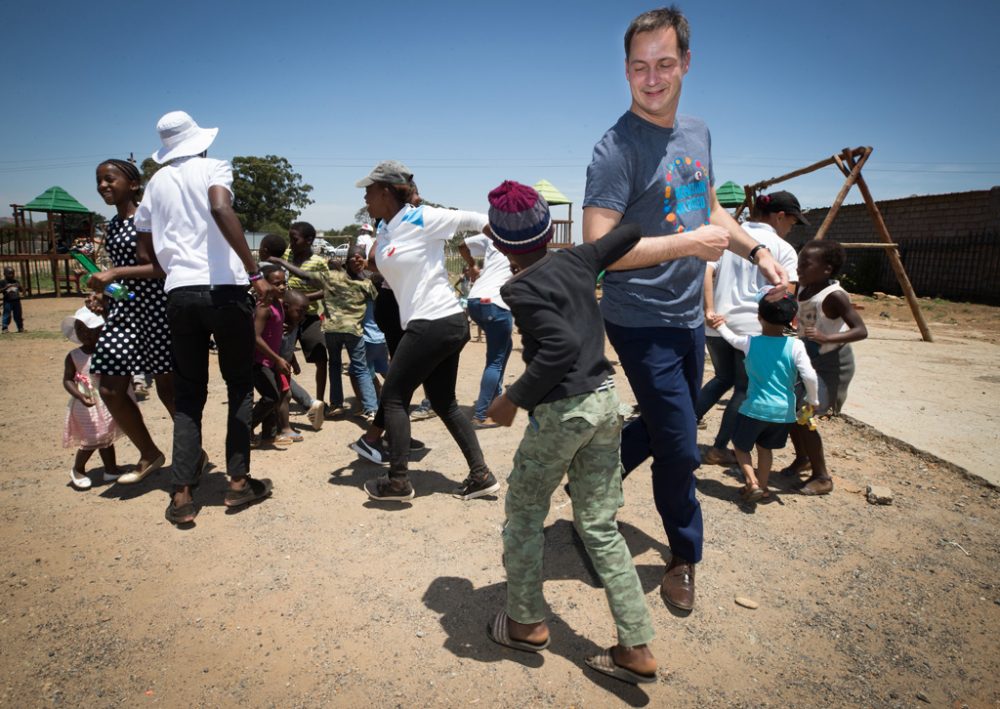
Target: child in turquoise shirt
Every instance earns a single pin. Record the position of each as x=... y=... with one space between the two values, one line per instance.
x=772 y=362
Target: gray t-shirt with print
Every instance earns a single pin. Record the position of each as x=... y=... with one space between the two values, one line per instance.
x=659 y=178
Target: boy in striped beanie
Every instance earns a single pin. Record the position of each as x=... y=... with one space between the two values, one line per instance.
x=574 y=427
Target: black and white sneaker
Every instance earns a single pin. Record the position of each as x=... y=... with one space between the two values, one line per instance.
x=473 y=487
x=375 y=453
x=384 y=488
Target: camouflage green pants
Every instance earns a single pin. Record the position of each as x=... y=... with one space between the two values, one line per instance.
x=579 y=436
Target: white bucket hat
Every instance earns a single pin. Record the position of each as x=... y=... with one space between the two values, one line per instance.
x=181 y=137
x=85 y=315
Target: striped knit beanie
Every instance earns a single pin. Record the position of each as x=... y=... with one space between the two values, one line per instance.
x=519 y=218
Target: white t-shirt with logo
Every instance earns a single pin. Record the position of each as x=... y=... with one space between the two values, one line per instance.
x=409 y=252
x=493 y=274
x=188 y=243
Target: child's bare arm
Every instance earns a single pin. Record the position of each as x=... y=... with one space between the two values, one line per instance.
x=69 y=382
x=312 y=277
x=712 y=318
x=838 y=305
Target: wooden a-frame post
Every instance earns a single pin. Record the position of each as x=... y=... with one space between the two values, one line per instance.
x=849 y=162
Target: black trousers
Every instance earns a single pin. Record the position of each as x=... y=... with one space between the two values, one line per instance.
x=195 y=314
x=265 y=411
x=428 y=354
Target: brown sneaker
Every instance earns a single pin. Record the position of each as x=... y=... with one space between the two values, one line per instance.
x=677 y=587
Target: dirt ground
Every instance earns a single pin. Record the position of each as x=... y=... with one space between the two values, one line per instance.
x=318 y=597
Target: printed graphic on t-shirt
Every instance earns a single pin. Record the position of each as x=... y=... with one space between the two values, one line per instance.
x=686 y=191
x=807 y=315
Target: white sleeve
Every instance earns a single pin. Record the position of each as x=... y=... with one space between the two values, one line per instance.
x=806 y=371
x=222 y=175
x=740 y=342
x=789 y=260
x=478 y=245
x=448 y=221
x=143 y=220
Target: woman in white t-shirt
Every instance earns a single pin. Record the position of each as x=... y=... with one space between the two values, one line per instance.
x=409 y=252
x=731 y=287
x=491 y=314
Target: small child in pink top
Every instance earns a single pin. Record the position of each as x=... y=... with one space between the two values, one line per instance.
x=89 y=425
x=270 y=369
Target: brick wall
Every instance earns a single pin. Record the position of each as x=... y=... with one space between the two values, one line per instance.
x=949 y=244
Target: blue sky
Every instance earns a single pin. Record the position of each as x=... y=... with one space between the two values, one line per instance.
x=468 y=94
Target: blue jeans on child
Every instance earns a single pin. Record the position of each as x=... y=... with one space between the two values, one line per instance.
x=12 y=309
x=498 y=324
x=377 y=354
x=664 y=367
x=357 y=366
x=727 y=361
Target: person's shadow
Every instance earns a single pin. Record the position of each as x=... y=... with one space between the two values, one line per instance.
x=466 y=611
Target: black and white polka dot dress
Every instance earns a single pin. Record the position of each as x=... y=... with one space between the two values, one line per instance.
x=136 y=336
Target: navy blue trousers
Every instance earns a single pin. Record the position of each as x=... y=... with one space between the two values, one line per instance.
x=664 y=366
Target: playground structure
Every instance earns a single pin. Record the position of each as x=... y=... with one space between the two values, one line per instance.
x=850 y=161
x=562 y=229
x=39 y=256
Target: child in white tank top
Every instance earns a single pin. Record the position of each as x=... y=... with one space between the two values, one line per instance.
x=827 y=324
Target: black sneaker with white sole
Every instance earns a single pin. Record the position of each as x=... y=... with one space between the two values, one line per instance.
x=473 y=487
x=384 y=488
x=375 y=452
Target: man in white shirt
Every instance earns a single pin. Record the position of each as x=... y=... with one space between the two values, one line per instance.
x=199 y=243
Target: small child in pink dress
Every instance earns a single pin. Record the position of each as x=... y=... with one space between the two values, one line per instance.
x=89 y=425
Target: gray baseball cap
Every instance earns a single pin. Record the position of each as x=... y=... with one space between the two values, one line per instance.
x=391 y=171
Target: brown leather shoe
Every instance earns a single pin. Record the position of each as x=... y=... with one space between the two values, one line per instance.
x=677 y=587
x=817 y=486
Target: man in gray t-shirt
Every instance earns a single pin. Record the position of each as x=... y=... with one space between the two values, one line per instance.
x=654 y=168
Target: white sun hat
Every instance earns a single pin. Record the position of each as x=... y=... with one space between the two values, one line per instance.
x=181 y=137
x=85 y=315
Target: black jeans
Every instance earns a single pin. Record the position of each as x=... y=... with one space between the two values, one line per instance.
x=265 y=411
x=428 y=353
x=197 y=313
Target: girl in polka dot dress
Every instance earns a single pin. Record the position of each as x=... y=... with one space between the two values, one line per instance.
x=136 y=337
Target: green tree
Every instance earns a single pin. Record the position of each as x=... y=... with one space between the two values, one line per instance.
x=148 y=169
x=268 y=191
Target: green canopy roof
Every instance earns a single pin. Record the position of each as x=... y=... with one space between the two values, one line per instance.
x=730 y=194
x=551 y=194
x=55 y=199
